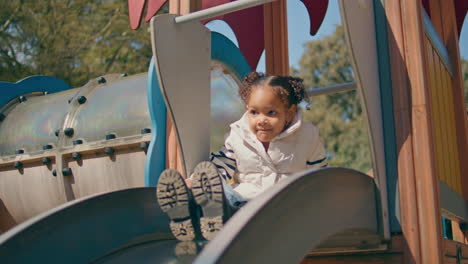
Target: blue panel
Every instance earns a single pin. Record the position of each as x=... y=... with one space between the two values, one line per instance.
x=222 y=50
x=9 y=91
x=156 y=154
x=387 y=114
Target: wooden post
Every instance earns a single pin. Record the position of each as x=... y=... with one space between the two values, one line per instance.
x=425 y=173
x=276 y=38
x=402 y=113
x=418 y=181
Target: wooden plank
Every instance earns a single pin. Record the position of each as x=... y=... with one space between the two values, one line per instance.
x=450 y=38
x=457 y=232
x=439 y=113
x=276 y=38
x=455 y=165
x=450 y=260
x=400 y=86
x=450 y=248
x=424 y=165
x=436 y=16
x=432 y=63
x=356 y=259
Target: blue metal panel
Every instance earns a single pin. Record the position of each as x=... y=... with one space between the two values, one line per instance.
x=156 y=154
x=387 y=113
x=9 y=91
x=223 y=51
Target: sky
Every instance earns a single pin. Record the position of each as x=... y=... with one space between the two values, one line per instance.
x=298 y=30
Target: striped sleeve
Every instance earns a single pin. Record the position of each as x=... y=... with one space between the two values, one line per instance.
x=318 y=156
x=225 y=161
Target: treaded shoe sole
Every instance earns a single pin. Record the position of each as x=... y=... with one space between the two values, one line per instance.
x=173 y=198
x=207 y=189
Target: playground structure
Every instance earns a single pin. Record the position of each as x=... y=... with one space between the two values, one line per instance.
x=411 y=90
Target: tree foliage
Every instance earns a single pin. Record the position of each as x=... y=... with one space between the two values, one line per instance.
x=339 y=116
x=464 y=64
x=74 y=40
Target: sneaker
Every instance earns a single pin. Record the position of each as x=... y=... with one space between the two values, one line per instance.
x=174 y=200
x=207 y=189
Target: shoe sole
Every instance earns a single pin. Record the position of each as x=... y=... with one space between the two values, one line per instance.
x=207 y=189
x=173 y=199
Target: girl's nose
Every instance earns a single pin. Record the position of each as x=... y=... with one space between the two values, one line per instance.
x=263 y=120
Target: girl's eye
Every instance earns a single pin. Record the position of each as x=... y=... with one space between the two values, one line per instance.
x=252 y=112
x=272 y=113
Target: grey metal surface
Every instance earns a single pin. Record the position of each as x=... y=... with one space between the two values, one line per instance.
x=220 y=10
x=30 y=125
x=452 y=203
x=359 y=25
x=127 y=226
x=182 y=59
x=288 y=220
x=339 y=88
x=117 y=106
x=87 y=229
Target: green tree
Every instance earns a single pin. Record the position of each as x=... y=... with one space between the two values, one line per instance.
x=339 y=116
x=72 y=40
x=464 y=64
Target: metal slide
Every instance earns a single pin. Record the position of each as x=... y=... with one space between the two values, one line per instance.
x=127 y=226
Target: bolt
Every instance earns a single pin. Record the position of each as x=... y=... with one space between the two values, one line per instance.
x=67 y=171
x=145 y=130
x=69 y=131
x=77 y=142
x=54 y=172
x=48 y=146
x=46 y=160
x=76 y=155
x=110 y=136
x=18 y=164
x=109 y=150
x=124 y=74
x=57 y=132
x=2 y=117
x=22 y=98
x=19 y=151
x=144 y=146
x=102 y=80
x=81 y=100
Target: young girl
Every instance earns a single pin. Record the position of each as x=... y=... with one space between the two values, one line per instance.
x=269 y=143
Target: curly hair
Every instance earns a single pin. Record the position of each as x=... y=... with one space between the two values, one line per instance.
x=290 y=89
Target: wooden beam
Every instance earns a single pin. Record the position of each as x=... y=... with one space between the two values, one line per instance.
x=276 y=38
x=404 y=143
x=425 y=176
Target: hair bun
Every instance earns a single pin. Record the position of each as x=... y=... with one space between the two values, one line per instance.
x=252 y=78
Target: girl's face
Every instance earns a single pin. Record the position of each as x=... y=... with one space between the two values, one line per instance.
x=267 y=114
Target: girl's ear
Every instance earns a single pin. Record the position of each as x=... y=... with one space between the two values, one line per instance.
x=291 y=113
